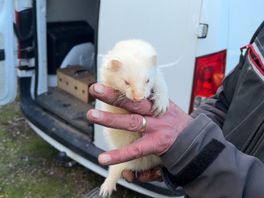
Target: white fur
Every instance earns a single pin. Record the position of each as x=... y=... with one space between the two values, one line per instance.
x=136 y=58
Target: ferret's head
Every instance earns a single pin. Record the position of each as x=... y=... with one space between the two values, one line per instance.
x=131 y=68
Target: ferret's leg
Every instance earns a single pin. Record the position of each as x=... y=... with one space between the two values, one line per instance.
x=160 y=95
x=110 y=182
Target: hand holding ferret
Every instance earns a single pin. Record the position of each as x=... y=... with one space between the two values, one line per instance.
x=158 y=133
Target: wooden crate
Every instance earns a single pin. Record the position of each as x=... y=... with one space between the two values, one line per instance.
x=76 y=80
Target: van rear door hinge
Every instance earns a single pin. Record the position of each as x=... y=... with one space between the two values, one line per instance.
x=25 y=68
x=202 y=30
x=25 y=71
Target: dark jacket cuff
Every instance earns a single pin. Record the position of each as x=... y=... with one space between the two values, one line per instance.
x=183 y=143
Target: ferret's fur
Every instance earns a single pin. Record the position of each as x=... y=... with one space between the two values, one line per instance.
x=130 y=67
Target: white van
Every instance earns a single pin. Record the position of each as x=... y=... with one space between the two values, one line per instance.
x=197 y=42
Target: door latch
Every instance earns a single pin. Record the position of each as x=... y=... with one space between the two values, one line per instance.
x=202 y=30
x=2 y=54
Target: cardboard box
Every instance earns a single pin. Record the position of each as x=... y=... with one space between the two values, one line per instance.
x=76 y=80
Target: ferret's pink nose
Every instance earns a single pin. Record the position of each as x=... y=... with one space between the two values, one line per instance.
x=138 y=97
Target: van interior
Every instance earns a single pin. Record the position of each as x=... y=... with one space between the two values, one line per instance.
x=68 y=39
x=66 y=30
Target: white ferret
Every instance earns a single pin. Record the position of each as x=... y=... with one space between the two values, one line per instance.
x=130 y=67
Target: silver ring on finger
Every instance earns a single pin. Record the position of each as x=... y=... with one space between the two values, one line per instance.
x=144 y=124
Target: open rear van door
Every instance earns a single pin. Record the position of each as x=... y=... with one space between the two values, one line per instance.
x=8 y=57
x=172 y=27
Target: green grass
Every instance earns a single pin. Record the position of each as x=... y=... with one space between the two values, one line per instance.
x=29 y=167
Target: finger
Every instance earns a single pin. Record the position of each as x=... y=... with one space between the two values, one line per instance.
x=112 y=97
x=137 y=149
x=130 y=122
x=128 y=175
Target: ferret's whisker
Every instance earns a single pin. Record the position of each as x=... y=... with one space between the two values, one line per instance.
x=120 y=98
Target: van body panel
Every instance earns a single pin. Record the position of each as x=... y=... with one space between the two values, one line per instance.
x=163 y=24
x=8 y=61
x=171 y=31
x=244 y=19
x=59 y=10
x=216 y=15
x=230 y=26
x=41 y=60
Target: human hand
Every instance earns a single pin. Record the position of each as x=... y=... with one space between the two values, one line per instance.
x=158 y=135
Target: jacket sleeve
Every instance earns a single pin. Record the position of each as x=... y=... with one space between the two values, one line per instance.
x=206 y=165
x=217 y=106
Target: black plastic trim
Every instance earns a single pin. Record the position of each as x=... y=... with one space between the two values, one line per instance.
x=35 y=37
x=2 y=54
x=96 y=34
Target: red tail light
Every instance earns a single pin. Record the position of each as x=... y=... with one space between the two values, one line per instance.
x=208 y=76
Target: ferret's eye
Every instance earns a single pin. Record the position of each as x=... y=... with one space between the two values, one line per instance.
x=147 y=81
x=126 y=82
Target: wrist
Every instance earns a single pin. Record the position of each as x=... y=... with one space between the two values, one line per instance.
x=173 y=158
x=176 y=121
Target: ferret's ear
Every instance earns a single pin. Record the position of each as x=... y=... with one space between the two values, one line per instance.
x=153 y=60
x=115 y=65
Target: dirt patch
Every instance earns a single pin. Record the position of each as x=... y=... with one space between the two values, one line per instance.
x=29 y=167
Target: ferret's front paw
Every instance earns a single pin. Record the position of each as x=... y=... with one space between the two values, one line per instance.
x=160 y=104
x=107 y=188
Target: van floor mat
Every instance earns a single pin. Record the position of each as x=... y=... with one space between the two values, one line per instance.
x=67 y=108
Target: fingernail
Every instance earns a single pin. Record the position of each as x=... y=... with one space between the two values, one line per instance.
x=104 y=158
x=96 y=114
x=99 y=88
